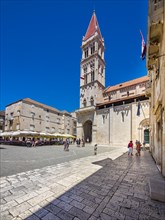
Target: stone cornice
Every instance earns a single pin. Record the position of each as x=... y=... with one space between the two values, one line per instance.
x=92 y=83
x=85 y=110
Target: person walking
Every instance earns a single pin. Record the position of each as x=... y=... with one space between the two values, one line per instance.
x=138 y=148
x=83 y=143
x=130 y=148
x=144 y=144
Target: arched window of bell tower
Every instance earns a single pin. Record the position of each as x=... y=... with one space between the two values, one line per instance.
x=92 y=47
x=85 y=102
x=92 y=100
x=86 y=52
x=92 y=75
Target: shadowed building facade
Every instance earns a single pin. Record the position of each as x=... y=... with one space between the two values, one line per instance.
x=156 y=72
x=108 y=115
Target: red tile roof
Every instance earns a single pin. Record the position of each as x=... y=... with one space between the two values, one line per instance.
x=121 y=99
x=126 y=84
x=93 y=27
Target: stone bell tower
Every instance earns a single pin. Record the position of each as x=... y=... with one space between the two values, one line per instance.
x=92 y=67
x=92 y=81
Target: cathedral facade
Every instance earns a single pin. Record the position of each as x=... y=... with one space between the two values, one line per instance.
x=113 y=115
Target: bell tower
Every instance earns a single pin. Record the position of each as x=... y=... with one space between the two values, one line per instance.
x=92 y=66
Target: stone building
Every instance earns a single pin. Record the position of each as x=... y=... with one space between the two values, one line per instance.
x=108 y=115
x=2 y=121
x=156 y=72
x=27 y=114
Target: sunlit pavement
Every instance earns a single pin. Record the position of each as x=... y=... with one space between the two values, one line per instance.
x=17 y=159
x=105 y=186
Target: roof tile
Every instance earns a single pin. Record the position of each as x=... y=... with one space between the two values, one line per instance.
x=93 y=27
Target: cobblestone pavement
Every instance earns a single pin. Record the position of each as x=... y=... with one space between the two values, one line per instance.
x=17 y=159
x=107 y=186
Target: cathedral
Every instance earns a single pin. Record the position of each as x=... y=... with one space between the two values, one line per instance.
x=113 y=115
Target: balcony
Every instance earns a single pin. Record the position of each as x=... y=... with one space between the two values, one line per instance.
x=156 y=31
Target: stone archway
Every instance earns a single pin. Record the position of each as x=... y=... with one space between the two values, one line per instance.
x=87 y=129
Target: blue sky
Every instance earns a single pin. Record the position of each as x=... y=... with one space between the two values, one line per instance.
x=41 y=40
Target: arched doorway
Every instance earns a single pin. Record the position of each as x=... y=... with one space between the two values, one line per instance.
x=87 y=128
x=144 y=131
x=146 y=136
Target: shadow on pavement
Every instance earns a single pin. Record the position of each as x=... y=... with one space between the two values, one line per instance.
x=118 y=190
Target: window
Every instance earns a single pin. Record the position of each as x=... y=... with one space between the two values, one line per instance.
x=47 y=129
x=18 y=126
x=84 y=102
x=11 y=124
x=32 y=115
x=53 y=130
x=92 y=75
x=103 y=119
x=92 y=101
x=127 y=93
x=58 y=120
x=85 y=70
x=86 y=52
x=85 y=79
x=92 y=66
x=32 y=127
x=93 y=48
x=47 y=118
x=122 y=116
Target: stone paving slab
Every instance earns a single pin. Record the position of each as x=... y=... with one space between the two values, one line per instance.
x=106 y=186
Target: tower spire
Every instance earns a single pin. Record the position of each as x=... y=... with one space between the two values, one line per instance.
x=93 y=27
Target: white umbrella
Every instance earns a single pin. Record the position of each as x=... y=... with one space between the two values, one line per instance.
x=24 y=132
x=28 y=133
x=43 y=134
x=16 y=133
x=34 y=133
x=58 y=135
x=6 y=134
x=69 y=136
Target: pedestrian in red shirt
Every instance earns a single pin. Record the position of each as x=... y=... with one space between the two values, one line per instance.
x=130 y=148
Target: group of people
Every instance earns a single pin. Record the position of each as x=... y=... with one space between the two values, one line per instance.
x=31 y=142
x=138 y=148
x=80 y=142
